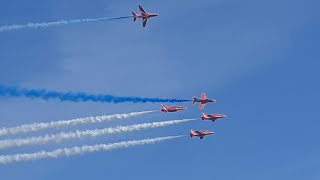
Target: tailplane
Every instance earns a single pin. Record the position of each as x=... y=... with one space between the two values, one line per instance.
x=192 y=133
x=194 y=100
x=164 y=108
x=204 y=115
x=135 y=16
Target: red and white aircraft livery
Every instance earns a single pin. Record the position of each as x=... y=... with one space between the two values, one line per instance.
x=200 y=134
x=212 y=117
x=144 y=16
x=171 y=108
x=203 y=100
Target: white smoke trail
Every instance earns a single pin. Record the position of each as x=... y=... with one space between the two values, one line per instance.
x=56 y=23
x=4 y=159
x=82 y=134
x=65 y=123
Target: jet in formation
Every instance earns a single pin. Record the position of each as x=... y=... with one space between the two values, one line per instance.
x=212 y=117
x=203 y=101
x=144 y=16
x=201 y=134
x=171 y=108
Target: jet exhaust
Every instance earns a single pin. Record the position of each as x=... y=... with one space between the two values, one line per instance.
x=25 y=128
x=56 y=23
x=77 y=150
x=78 y=96
x=87 y=133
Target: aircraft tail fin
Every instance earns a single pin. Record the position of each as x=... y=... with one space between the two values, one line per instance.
x=135 y=16
x=204 y=115
x=192 y=133
x=164 y=108
x=194 y=100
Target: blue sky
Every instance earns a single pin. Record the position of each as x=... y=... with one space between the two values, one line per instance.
x=260 y=60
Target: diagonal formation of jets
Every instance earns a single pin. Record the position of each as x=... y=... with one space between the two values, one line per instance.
x=144 y=16
x=203 y=100
x=205 y=117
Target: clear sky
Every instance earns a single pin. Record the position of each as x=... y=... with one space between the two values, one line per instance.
x=259 y=59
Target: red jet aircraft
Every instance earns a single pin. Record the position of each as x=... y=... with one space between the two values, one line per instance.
x=212 y=117
x=200 y=134
x=203 y=100
x=171 y=108
x=144 y=16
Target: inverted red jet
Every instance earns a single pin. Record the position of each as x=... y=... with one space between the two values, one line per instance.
x=144 y=16
x=200 y=134
x=212 y=117
x=203 y=100
x=171 y=108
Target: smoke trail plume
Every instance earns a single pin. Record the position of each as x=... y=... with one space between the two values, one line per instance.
x=56 y=23
x=88 y=133
x=4 y=159
x=65 y=123
x=77 y=96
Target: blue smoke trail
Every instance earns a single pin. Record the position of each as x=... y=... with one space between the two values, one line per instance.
x=77 y=96
x=56 y=23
